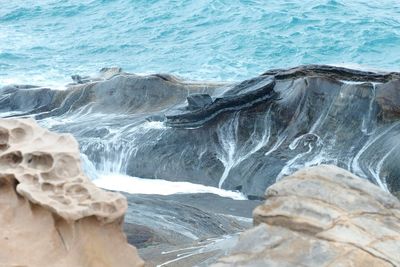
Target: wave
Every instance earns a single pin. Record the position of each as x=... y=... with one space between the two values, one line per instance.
x=135 y=185
x=207 y=39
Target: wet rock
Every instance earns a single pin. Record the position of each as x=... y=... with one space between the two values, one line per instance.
x=156 y=117
x=80 y=79
x=388 y=98
x=198 y=101
x=333 y=72
x=321 y=216
x=262 y=93
x=200 y=226
x=256 y=130
x=185 y=218
x=108 y=73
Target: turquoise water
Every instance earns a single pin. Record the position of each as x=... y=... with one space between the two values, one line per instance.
x=44 y=42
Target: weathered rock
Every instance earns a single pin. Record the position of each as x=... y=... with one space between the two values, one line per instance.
x=50 y=212
x=198 y=101
x=388 y=98
x=254 y=131
x=185 y=218
x=261 y=90
x=164 y=228
x=322 y=216
x=79 y=79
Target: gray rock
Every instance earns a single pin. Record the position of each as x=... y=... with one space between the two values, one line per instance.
x=198 y=101
x=255 y=130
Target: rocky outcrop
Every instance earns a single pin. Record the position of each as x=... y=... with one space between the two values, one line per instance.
x=333 y=72
x=198 y=101
x=321 y=216
x=239 y=136
x=50 y=213
x=243 y=96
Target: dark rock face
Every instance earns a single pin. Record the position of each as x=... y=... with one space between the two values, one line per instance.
x=235 y=99
x=165 y=227
x=251 y=134
x=198 y=101
x=186 y=218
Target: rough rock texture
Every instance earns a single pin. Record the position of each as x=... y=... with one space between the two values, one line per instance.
x=164 y=228
x=198 y=101
x=252 y=131
x=322 y=216
x=245 y=95
x=50 y=213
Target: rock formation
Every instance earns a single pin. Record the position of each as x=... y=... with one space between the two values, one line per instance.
x=321 y=216
x=50 y=213
x=234 y=135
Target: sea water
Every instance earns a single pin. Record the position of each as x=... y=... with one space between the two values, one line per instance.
x=45 y=42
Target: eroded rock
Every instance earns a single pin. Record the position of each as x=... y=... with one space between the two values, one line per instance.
x=198 y=101
x=322 y=216
x=253 y=131
x=50 y=213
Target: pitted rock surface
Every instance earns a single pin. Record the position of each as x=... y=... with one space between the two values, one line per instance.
x=321 y=216
x=50 y=212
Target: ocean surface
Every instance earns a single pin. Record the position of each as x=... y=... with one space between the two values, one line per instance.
x=45 y=42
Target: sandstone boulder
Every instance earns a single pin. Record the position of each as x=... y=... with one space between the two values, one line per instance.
x=50 y=212
x=322 y=216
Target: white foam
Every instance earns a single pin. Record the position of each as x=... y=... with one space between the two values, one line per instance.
x=154 y=125
x=134 y=185
x=52 y=79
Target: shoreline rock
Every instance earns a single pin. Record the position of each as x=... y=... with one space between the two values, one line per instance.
x=252 y=132
x=321 y=216
x=50 y=212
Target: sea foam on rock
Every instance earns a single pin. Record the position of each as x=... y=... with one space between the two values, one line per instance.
x=321 y=216
x=50 y=212
x=238 y=135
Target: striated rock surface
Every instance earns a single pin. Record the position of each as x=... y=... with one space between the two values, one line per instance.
x=50 y=213
x=322 y=216
x=237 y=136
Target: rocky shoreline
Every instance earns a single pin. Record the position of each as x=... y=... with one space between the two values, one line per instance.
x=319 y=216
x=236 y=134
x=50 y=212
x=261 y=133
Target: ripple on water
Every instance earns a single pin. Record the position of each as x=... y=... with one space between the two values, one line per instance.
x=206 y=39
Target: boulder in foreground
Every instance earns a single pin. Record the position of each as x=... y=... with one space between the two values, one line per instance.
x=322 y=216
x=50 y=212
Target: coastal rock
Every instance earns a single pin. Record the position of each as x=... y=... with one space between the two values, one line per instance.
x=50 y=213
x=164 y=228
x=254 y=131
x=198 y=101
x=321 y=216
x=255 y=91
x=388 y=97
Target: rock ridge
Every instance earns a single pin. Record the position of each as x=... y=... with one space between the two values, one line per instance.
x=321 y=216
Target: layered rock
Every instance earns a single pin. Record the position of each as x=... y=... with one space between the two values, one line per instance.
x=50 y=212
x=232 y=135
x=321 y=216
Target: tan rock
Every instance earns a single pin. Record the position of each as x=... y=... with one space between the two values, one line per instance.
x=322 y=216
x=50 y=212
